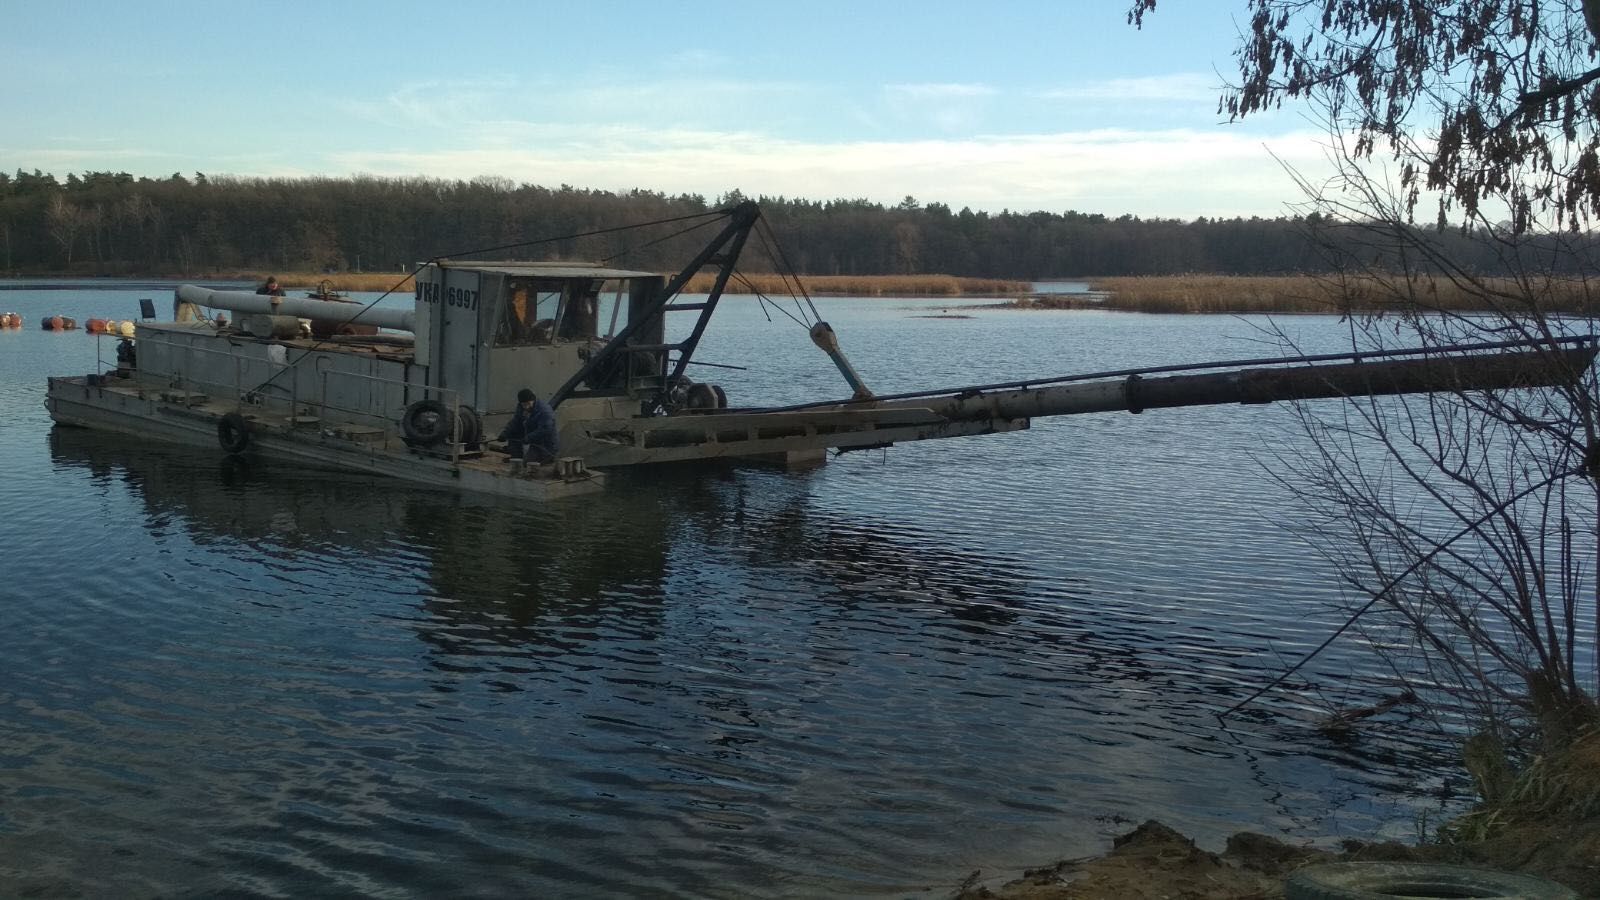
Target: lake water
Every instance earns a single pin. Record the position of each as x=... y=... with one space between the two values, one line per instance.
x=868 y=679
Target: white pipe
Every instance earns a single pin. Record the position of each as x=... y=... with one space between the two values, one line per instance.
x=304 y=307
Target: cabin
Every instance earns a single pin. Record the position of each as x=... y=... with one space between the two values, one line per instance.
x=478 y=333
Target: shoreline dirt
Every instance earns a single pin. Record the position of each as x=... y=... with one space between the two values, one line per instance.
x=1154 y=861
x=1544 y=823
x=1157 y=862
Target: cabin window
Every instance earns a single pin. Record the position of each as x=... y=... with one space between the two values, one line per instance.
x=530 y=312
x=576 y=322
x=612 y=314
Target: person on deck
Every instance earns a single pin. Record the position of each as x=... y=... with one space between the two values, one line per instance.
x=271 y=287
x=531 y=434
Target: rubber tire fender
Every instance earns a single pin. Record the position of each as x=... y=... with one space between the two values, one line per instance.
x=426 y=422
x=678 y=390
x=471 y=427
x=700 y=396
x=722 y=396
x=1380 y=880
x=233 y=433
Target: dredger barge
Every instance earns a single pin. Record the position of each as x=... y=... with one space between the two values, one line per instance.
x=414 y=393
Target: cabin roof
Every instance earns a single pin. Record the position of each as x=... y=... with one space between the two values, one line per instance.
x=561 y=269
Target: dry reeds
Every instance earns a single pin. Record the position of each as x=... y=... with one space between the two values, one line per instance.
x=868 y=285
x=1319 y=294
x=818 y=285
x=342 y=283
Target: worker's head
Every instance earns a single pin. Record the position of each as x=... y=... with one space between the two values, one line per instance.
x=526 y=397
x=272 y=279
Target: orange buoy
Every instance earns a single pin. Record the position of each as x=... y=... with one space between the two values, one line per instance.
x=10 y=320
x=51 y=323
x=95 y=326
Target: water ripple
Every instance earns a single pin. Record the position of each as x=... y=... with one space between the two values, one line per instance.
x=863 y=680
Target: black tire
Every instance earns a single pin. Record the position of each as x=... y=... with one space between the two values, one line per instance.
x=1379 y=880
x=233 y=433
x=700 y=396
x=678 y=390
x=426 y=422
x=471 y=428
x=722 y=396
x=610 y=374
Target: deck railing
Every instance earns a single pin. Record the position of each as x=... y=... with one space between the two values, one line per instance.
x=258 y=394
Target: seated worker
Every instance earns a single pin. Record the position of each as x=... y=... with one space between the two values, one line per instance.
x=271 y=287
x=127 y=357
x=531 y=434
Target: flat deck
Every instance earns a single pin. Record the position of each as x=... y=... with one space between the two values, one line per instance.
x=127 y=407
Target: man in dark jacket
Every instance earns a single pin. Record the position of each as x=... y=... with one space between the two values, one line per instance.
x=531 y=433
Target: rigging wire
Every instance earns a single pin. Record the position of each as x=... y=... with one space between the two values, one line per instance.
x=785 y=269
x=765 y=299
x=679 y=233
x=709 y=216
x=582 y=234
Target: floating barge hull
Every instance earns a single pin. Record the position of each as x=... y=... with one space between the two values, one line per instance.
x=116 y=405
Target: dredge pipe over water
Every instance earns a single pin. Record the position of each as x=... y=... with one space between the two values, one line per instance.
x=1467 y=372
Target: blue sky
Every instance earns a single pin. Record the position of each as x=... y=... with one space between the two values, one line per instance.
x=1022 y=105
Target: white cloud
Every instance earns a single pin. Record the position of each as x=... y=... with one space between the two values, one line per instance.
x=1187 y=87
x=1178 y=173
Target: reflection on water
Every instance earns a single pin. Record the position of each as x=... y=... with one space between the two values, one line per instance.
x=867 y=679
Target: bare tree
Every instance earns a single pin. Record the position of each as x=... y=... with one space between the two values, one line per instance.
x=1466 y=522
x=64 y=221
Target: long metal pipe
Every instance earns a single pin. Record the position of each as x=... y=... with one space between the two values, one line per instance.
x=1484 y=371
x=304 y=307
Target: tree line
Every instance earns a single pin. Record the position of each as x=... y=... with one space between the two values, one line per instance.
x=112 y=223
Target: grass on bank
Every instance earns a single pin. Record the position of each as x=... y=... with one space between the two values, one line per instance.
x=1151 y=294
x=866 y=285
x=1309 y=294
x=772 y=285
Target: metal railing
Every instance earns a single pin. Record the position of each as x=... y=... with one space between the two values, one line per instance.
x=250 y=393
x=450 y=397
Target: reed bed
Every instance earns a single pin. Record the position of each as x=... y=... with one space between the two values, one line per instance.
x=867 y=285
x=817 y=285
x=1318 y=294
x=349 y=281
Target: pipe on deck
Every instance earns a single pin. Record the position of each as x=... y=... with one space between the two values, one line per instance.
x=303 y=307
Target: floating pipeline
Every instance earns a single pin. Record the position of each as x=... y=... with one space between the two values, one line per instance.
x=112 y=327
